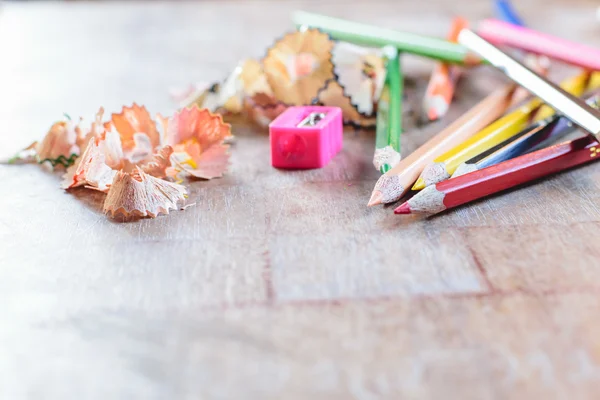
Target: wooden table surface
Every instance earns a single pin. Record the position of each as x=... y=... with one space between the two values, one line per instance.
x=277 y=284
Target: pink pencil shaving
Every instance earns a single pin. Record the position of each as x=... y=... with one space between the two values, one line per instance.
x=504 y=33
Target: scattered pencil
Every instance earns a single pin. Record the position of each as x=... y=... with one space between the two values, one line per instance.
x=396 y=182
x=504 y=33
x=534 y=136
x=440 y=89
x=572 y=107
x=470 y=187
x=376 y=36
x=504 y=128
x=517 y=145
x=444 y=166
x=389 y=116
x=507 y=13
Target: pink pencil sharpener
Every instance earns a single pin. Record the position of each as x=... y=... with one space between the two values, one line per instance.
x=306 y=137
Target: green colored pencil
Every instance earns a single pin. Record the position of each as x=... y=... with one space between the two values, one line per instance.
x=382 y=131
x=389 y=115
x=354 y=32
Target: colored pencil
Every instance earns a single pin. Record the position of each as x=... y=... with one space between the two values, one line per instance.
x=440 y=90
x=392 y=185
x=383 y=151
x=476 y=185
x=504 y=128
x=572 y=107
x=504 y=33
x=537 y=135
x=507 y=13
x=532 y=136
x=389 y=115
x=375 y=36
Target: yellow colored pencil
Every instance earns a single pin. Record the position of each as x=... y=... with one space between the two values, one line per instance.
x=580 y=83
x=504 y=128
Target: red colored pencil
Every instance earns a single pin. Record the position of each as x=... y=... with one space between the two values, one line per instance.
x=475 y=185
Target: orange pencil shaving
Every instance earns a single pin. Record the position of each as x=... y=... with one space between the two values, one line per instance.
x=440 y=89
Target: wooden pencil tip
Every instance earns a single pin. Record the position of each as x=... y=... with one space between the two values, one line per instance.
x=403 y=208
x=419 y=184
x=375 y=199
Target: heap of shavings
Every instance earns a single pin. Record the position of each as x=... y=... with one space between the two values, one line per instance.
x=61 y=145
x=198 y=140
x=128 y=159
x=302 y=68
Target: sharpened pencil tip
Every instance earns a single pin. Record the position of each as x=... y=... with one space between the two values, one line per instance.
x=375 y=199
x=403 y=208
x=419 y=184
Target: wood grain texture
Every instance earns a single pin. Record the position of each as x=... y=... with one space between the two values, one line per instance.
x=278 y=284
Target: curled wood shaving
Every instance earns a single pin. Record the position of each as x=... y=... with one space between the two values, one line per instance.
x=59 y=146
x=263 y=108
x=298 y=65
x=361 y=72
x=197 y=137
x=96 y=167
x=161 y=161
x=132 y=120
x=142 y=195
x=333 y=95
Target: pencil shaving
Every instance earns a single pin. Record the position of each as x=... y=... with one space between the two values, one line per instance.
x=197 y=137
x=254 y=80
x=59 y=146
x=298 y=65
x=96 y=167
x=263 y=108
x=95 y=129
x=333 y=95
x=361 y=72
x=227 y=97
x=131 y=123
x=159 y=164
x=142 y=195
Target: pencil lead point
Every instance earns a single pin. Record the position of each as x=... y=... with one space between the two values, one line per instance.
x=387 y=190
x=419 y=185
x=432 y=115
x=403 y=208
x=375 y=199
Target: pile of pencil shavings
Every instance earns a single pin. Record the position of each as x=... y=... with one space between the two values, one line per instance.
x=302 y=68
x=139 y=167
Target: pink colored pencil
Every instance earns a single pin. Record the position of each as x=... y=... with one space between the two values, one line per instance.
x=504 y=33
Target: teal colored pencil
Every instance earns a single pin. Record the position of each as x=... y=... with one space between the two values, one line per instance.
x=389 y=115
x=374 y=36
